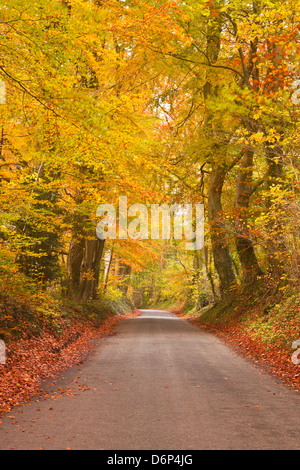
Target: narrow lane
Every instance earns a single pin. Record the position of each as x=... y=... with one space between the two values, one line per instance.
x=158 y=384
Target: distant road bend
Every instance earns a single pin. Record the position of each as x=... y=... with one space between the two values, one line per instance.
x=158 y=384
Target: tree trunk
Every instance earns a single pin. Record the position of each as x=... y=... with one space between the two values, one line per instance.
x=93 y=249
x=84 y=266
x=220 y=247
x=250 y=267
x=208 y=264
x=75 y=258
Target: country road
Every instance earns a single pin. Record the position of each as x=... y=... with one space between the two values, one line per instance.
x=159 y=383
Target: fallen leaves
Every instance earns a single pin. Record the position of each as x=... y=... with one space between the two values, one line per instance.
x=30 y=361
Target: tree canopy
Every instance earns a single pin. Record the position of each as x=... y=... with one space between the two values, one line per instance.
x=163 y=102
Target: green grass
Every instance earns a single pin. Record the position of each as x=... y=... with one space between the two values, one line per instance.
x=268 y=314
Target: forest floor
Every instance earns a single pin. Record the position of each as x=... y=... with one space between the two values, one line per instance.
x=31 y=360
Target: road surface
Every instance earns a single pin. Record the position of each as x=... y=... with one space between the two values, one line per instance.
x=158 y=384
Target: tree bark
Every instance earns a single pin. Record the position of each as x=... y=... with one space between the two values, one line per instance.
x=90 y=269
x=220 y=246
x=84 y=266
x=75 y=258
x=249 y=263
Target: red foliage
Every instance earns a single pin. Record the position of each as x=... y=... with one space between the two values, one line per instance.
x=29 y=361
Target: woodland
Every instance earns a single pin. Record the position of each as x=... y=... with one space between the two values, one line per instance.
x=161 y=101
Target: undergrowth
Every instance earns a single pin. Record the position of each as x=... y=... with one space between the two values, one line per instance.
x=269 y=314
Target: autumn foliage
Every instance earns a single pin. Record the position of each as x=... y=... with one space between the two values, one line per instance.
x=164 y=102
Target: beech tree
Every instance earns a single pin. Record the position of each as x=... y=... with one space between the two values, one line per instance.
x=161 y=102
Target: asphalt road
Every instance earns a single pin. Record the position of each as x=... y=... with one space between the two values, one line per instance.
x=158 y=384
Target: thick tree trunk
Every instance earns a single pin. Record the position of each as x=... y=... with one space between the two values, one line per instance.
x=220 y=246
x=84 y=266
x=208 y=264
x=250 y=267
x=90 y=269
x=75 y=258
